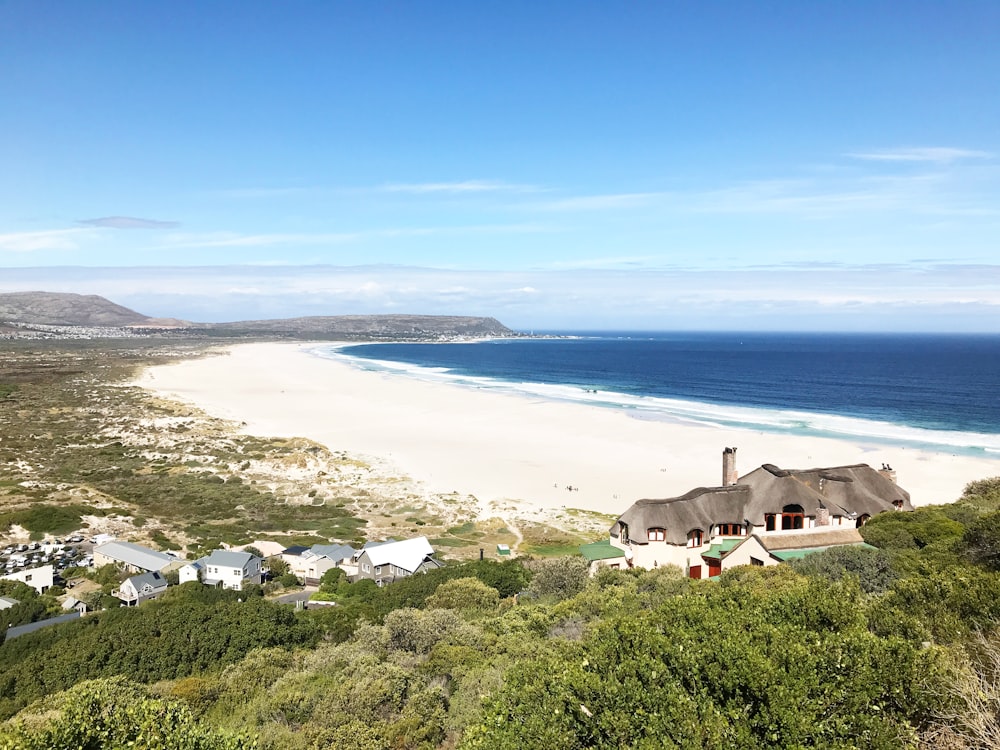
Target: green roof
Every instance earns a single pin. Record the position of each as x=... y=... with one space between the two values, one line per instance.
x=797 y=554
x=602 y=550
x=721 y=549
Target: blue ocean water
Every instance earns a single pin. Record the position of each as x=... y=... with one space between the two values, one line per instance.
x=937 y=391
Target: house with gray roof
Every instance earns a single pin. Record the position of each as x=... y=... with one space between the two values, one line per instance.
x=761 y=518
x=133 y=558
x=19 y=630
x=6 y=602
x=225 y=568
x=386 y=561
x=137 y=589
x=309 y=564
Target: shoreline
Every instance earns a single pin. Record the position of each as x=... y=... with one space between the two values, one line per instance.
x=504 y=447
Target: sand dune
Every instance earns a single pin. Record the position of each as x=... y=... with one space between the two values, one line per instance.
x=499 y=446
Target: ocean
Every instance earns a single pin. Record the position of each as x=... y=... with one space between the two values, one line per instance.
x=937 y=392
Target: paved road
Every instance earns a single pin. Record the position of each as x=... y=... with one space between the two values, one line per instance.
x=297 y=596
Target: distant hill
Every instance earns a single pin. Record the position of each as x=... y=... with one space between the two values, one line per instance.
x=58 y=309
x=372 y=326
x=92 y=311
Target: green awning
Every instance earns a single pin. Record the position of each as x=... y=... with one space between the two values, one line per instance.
x=602 y=550
x=718 y=550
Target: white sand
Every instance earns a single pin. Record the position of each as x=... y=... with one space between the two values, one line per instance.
x=507 y=447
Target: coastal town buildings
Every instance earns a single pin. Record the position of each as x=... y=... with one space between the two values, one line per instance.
x=137 y=589
x=133 y=558
x=40 y=578
x=308 y=564
x=761 y=518
x=384 y=562
x=225 y=568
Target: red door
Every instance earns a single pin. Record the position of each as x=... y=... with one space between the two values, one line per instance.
x=714 y=568
x=694 y=571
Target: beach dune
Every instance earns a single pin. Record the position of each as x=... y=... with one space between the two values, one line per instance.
x=507 y=447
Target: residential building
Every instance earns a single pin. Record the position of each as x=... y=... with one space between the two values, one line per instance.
x=384 y=562
x=40 y=578
x=761 y=518
x=231 y=570
x=133 y=558
x=72 y=604
x=137 y=589
x=31 y=627
x=309 y=564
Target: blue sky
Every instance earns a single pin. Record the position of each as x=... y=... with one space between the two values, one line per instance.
x=778 y=165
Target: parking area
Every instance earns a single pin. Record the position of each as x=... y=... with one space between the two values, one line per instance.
x=60 y=553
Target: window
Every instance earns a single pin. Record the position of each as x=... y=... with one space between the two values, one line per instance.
x=624 y=536
x=862 y=520
x=366 y=568
x=755 y=561
x=792 y=517
x=897 y=504
x=770 y=521
x=656 y=535
x=729 y=529
x=695 y=539
x=378 y=570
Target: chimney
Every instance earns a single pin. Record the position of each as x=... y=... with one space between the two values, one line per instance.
x=888 y=472
x=822 y=516
x=729 y=476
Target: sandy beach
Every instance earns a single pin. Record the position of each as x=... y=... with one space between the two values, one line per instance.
x=505 y=447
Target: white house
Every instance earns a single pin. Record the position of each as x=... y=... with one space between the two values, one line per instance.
x=384 y=562
x=761 y=518
x=310 y=564
x=137 y=589
x=134 y=558
x=40 y=579
x=231 y=570
x=6 y=602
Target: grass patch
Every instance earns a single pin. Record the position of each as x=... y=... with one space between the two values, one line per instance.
x=450 y=541
x=46 y=519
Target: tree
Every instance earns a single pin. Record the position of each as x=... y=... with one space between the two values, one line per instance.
x=115 y=713
x=982 y=541
x=465 y=594
x=872 y=566
x=559 y=577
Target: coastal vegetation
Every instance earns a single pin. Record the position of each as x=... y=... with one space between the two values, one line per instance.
x=84 y=450
x=893 y=646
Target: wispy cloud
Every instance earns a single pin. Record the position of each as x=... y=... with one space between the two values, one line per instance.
x=467 y=186
x=232 y=239
x=877 y=296
x=52 y=239
x=938 y=154
x=128 y=222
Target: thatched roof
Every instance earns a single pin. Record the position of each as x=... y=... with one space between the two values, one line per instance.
x=848 y=491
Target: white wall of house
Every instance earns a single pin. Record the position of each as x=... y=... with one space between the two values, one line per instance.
x=747 y=553
x=187 y=574
x=40 y=579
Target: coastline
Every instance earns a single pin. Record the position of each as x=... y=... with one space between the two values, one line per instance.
x=510 y=449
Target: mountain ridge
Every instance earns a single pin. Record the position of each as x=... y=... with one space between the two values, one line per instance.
x=63 y=309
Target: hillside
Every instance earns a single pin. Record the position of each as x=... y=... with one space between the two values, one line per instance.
x=67 y=311
x=59 y=309
x=375 y=326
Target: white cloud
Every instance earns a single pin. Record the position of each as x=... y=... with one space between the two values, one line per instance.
x=52 y=239
x=931 y=294
x=940 y=155
x=129 y=222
